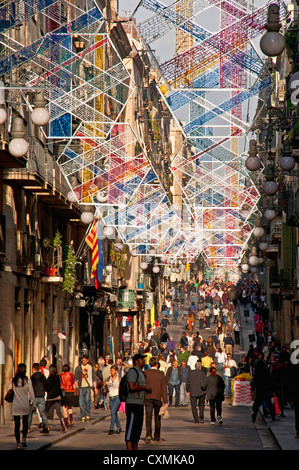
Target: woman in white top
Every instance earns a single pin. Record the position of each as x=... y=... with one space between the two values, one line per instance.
x=114 y=401
x=23 y=398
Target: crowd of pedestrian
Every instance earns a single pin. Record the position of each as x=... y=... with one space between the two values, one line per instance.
x=196 y=370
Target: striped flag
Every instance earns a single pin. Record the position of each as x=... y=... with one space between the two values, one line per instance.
x=94 y=241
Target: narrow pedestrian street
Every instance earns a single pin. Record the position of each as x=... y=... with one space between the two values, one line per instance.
x=179 y=432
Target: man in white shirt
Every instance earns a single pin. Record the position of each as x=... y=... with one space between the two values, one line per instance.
x=228 y=366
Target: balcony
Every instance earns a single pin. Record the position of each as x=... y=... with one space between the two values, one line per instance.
x=276 y=230
x=272 y=251
x=43 y=177
x=142 y=281
x=28 y=253
x=110 y=277
x=126 y=300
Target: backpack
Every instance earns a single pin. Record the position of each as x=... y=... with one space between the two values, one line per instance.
x=124 y=387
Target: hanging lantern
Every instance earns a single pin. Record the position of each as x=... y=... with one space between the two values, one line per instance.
x=156 y=269
x=143 y=265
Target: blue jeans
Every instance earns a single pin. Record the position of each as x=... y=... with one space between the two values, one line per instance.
x=171 y=389
x=228 y=385
x=114 y=403
x=40 y=405
x=85 y=401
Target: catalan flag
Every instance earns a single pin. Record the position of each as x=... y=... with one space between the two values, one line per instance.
x=94 y=241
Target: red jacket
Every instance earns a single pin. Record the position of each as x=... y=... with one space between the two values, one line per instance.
x=67 y=381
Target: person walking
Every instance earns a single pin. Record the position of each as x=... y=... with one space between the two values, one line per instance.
x=156 y=380
x=195 y=386
x=54 y=395
x=136 y=380
x=236 y=330
x=174 y=379
x=68 y=398
x=190 y=319
x=261 y=386
x=23 y=398
x=85 y=379
x=114 y=401
x=215 y=394
x=185 y=369
x=230 y=371
x=38 y=381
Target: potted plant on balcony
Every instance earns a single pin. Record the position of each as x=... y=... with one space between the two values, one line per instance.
x=53 y=254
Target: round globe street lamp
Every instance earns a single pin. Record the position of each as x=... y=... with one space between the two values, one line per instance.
x=18 y=146
x=252 y=162
x=118 y=246
x=108 y=231
x=40 y=115
x=286 y=161
x=3 y=115
x=245 y=265
x=270 y=186
x=253 y=258
x=87 y=217
x=143 y=265
x=270 y=213
x=71 y=196
x=101 y=197
x=272 y=43
x=258 y=231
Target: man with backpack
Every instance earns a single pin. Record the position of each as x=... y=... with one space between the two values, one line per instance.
x=137 y=389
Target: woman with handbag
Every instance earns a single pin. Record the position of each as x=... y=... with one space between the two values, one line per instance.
x=114 y=401
x=21 y=395
x=54 y=395
x=69 y=399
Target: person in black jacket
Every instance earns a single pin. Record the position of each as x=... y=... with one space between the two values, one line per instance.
x=54 y=395
x=261 y=385
x=38 y=381
x=215 y=394
x=195 y=386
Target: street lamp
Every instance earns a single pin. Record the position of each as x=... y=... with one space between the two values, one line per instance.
x=272 y=43
x=253 y=259
x=18 y=146
x=258 y=231
x=252 y=162
x=40 y=115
